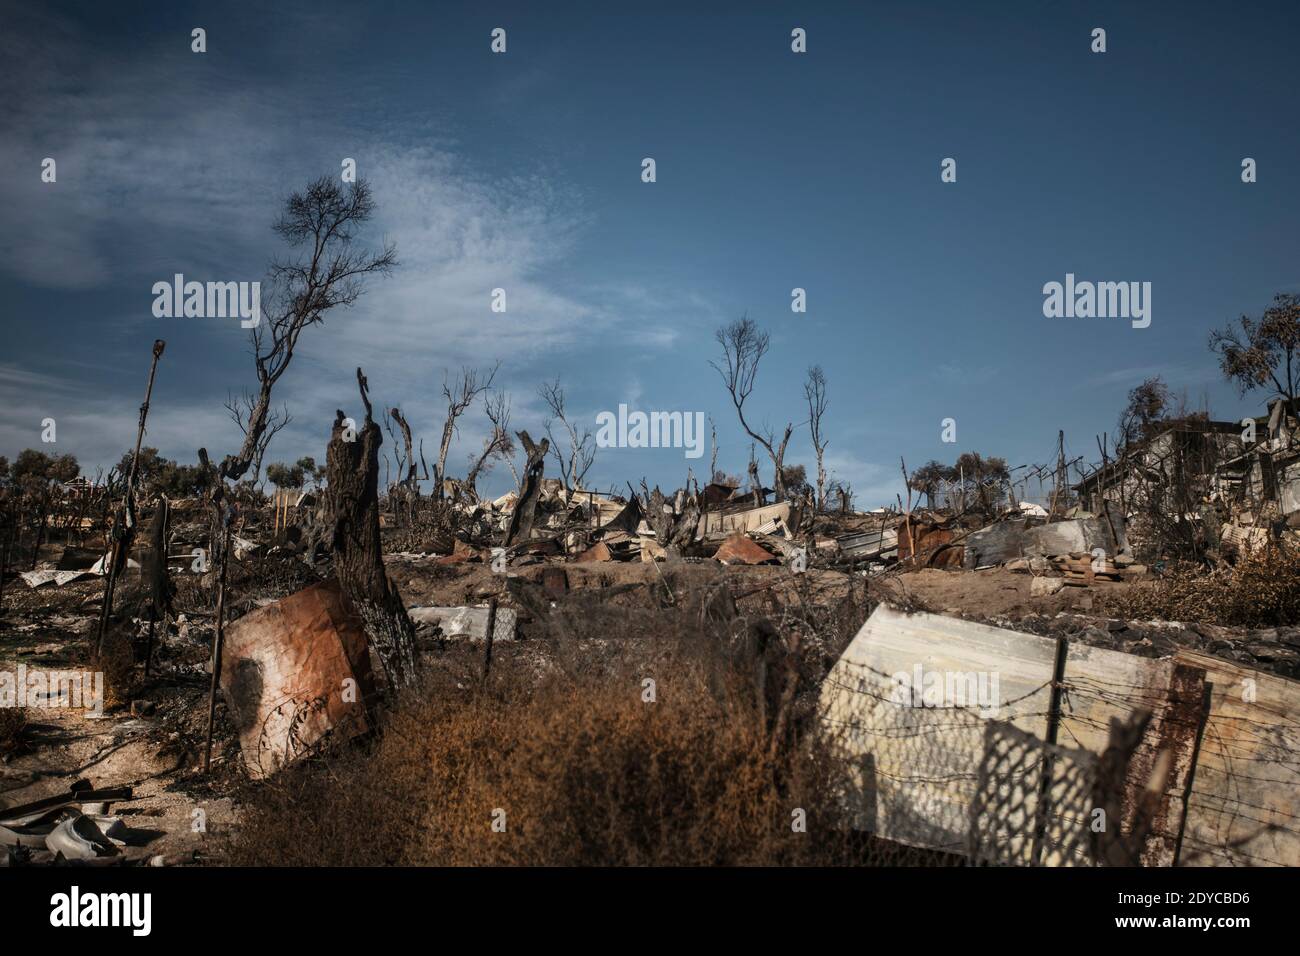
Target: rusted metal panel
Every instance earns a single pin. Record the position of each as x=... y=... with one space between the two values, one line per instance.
x=555 y=583
x=741 y=549
x=1103 y=685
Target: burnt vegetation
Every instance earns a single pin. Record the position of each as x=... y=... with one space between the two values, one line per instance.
x=628 y=676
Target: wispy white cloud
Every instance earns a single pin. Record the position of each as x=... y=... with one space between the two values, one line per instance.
x=161 y=169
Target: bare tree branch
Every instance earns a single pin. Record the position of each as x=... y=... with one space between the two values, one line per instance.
x=459 y=395
x=581 y=444
x=743 y=347
x=241 y=412
x=499 y=444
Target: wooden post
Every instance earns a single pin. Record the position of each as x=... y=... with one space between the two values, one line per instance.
x=1049 y=757
x=491 y=631
x=124 y=525
x=218 y=638
x=907 y=521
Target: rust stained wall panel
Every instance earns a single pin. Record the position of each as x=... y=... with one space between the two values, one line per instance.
x=1244 y=804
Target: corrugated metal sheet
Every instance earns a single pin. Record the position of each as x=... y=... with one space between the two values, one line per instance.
x=868 y=544
x=723 y=523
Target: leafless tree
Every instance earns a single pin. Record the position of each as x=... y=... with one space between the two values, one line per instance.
x=576 y=462
x=499 y=443
x=459 y=395
x=241 y=412
x=743 y=347
x=323 y=220
x=404 y=462
x=814 y=391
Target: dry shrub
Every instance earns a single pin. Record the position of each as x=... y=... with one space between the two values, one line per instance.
x=13 y=720
x=586 y=772
x=1262 y=590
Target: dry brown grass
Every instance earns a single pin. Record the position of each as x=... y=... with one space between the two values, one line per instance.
x=586 y=772
x=1260 y=591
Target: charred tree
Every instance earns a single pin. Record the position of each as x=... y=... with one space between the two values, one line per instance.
x=499 y=443
x=241 y=411
x=743 y=347
x=459 y=396
x=409 y=479
x=352 y=463
x=158 y=582
x=582 y=445
x=521 y=521
x=814 y=391
x=674 y=528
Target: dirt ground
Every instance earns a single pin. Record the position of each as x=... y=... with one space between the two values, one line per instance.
x=993 y=593
x=155 y=745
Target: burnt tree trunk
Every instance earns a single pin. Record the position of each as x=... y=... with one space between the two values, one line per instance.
x=352 y=464
x=521 y=520
x=235 y=466
x=409 y=479
x=674 y=530
x=157 y=580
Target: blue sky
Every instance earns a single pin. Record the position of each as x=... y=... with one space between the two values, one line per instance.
x=775 y=171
